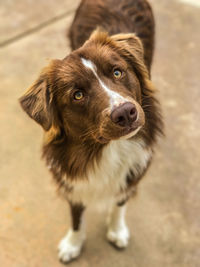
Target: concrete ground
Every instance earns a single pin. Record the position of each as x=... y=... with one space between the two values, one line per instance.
x=164 y=218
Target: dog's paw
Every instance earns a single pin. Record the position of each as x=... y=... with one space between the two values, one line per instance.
x=70 y=246
x=118 y=237
x=68 y=252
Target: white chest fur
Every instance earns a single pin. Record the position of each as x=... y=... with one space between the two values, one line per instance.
x=108 y=176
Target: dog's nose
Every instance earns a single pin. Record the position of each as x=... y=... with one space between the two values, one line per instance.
x=124 y=115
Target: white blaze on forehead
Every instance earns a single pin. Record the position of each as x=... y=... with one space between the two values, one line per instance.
x=115 y=98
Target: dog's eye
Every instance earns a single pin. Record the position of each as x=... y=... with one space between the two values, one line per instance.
x=117 y=73
x=78 y=95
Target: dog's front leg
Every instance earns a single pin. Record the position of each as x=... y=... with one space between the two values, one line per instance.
x=118 y=233
x=71 y=245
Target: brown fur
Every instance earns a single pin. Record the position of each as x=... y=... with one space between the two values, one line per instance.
x=115 y=16
x=73 y=132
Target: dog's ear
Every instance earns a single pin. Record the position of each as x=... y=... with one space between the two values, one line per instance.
x=37 y=102
x=131 y=48
x=129 y=44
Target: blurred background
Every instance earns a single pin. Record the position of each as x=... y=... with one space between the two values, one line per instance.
x=164 y=218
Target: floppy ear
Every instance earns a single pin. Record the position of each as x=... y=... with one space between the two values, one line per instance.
x=130 y=44
x=37 y=102
x=130 y=47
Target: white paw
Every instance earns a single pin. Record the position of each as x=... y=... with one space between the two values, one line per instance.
x=70 y=246
x=119 y=237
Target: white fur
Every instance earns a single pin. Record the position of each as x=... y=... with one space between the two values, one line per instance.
x=115 y=98
x=71 y=245
x=104 y=182
x=118 y=232
x=108 y=177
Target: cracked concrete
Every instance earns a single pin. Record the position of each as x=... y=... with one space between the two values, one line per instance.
x=164 y=218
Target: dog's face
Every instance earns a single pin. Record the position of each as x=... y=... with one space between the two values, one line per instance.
x=95 y=92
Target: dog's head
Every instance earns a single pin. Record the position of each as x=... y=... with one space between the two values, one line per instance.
x=96 y=92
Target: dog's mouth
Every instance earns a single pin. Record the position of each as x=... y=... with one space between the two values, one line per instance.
x=126 y=133
x=129 y=130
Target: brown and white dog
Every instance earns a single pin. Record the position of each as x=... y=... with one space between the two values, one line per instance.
x=99 y=113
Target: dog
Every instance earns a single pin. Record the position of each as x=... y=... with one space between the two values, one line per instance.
x=99 y=112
